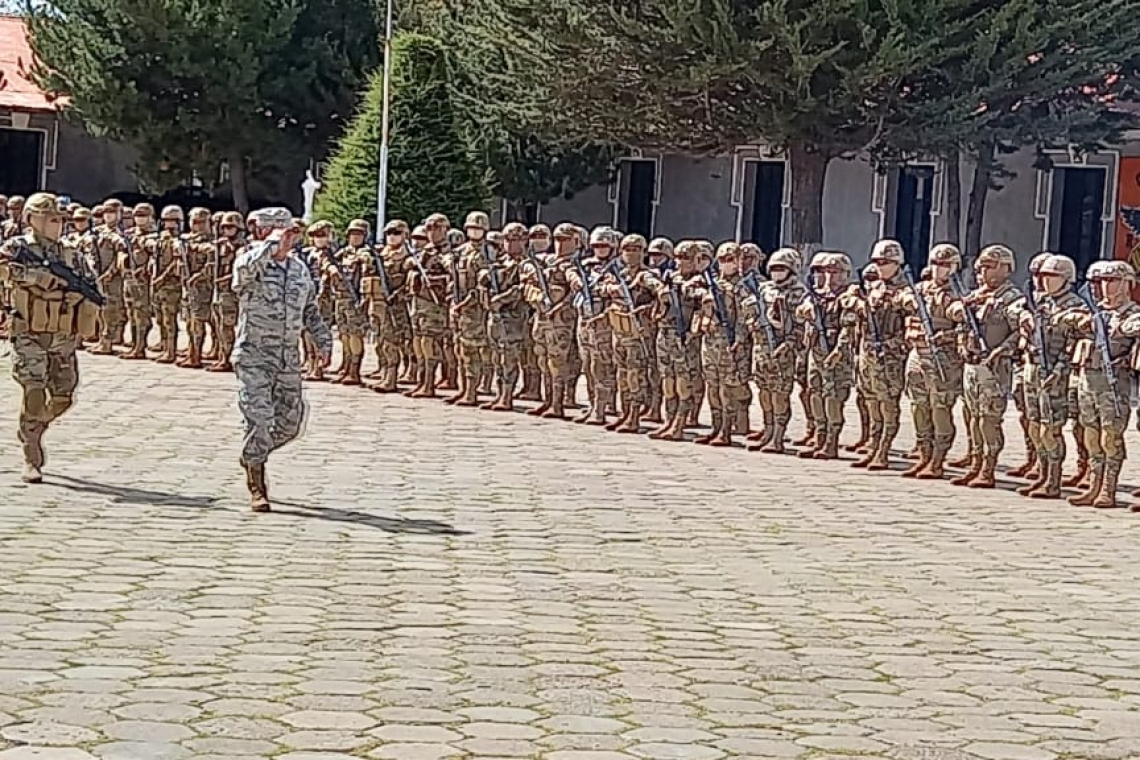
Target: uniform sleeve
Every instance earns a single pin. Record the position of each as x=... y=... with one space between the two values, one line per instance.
x=249 y=267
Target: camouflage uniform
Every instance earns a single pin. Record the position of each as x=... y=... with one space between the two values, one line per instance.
x=1029 y=467
x=108 y=248
x=678 y=295
x=546 y=288
x=1103 y=393
x=225 y=301
x=537 y=246
x=167 y=263
x=881 y=355
x=1047 y=342
x=439 y=231
x=595 y=338
x=987 y=374
x=320 y=234
x=278 y=299
x=769 y=309
x=501 y=294
x=198 y=285
x=825 y=312
x=660 y=259
x=428 y=285
x=384 y=280
x=341 y=276
x=716 y=325
x=468 y=310
x=933 y=366
x=628 y=289
x=14 y=224
x=47 y=322
x=135 y=265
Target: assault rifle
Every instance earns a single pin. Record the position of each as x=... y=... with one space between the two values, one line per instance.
x=73 y=281
x=719 y=309
x=971 y=319
x=547 y=301
x=1039 y=340
x=753 y=289
x=926 y=320
x=872 y=323
x=349 y=282
x=627 y=296
x=1100 y=334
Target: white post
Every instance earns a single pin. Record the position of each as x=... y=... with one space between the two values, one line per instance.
x=382 y=179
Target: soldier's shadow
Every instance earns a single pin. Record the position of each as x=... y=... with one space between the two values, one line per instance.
x=386 y=524
x=128 y=495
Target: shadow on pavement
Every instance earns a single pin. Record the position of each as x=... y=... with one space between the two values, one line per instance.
x=386 y=524
x=128 y=495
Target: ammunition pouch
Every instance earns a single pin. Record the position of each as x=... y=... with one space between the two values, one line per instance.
x=55 y=311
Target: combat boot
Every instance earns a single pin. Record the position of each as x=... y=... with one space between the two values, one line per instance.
x=775 y=444
x=557 y=410
x=975 y=461
x=925 y=454
x=255 y=482
x=762 y=437
x=651 y=412
x=632 y=423
x=1025 y=469
x=532 y=385
x=1080 y=475
x=809 y=436
x=935 y=469
x=1043 y=476
x=506 y=402
x=1087 y=498
x=427 y=390
x=170 y=353
x=194 y=359
x=597 y=413
x=880 y=457
x=1051 y=487
x=32 y=441
x=861 y=444
x=103 y=348
x=352 y=376
x=970 y=461
x=625 y=410
x=869 y=453
x=570 y=395
x=138 y=349
x=830 y=447
x=542 y=408
x=470 y=393
x=1106 y=499
x=742 y=424
x=985 y=478
x=813 y=444
x=717 y=423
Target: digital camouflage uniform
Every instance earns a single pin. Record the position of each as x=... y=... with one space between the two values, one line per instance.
x=167 y=267
x=987 y=374
x=678 y=299
x=428 y=285
x=546 y=288
x=1103 y=392
x=715 y=326
x=46 y=324
x=277 y=300
x=628 y=291
x=595 y=337
x=135 y=265
x=198 y=285
x=438 y=229
x=1029 y=467
x=500 y=288
x=660 y=260
x=933 y=365
x=538 y=242
x=385 y=293
x=1047 y=342
x=825 y=311
x=468 y=312
x=225 y=300
x=107 y=250
x=341 y=274
x=881 y=353
x=320 y=234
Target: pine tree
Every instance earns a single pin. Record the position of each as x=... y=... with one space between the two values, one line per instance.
x=430 y=168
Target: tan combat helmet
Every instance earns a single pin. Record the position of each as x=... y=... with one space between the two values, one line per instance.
x=514 y=231
x=633 y=241
x=456 y=237
x=231 y=219
x=538 y=232
x=199 y=215
x=358 y=225
x=321 y=227
x=945 y=253
x=80 y=214
x=476 y=219
x=396 y=226
x=661 y=246
x=888 y=250
x=173 y=214
x=1111 y=270
x=1036 y=262
x=1057 y=265
x=788 y=258
x=997 y=254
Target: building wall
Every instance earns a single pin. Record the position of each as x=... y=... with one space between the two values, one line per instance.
x=701 y=198
x=89 y=168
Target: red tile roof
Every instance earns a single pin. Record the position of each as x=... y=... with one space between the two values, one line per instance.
x=17 y=92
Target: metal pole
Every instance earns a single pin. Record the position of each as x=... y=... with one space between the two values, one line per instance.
x=382 y=179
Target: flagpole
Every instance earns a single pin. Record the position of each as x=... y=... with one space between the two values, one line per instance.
x=382 y=179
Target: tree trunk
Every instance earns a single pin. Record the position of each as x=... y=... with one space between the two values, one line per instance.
x=808 y=166
x=238 y=181
x=954 y=198
x=979 y=190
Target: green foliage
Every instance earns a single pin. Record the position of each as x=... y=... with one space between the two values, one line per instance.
x=192 y=82
x=430 y=168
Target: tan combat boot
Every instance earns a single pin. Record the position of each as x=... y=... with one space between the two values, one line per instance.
x=1051 y=487
x=1030 y=462
x=1080 y=475
x=170 y=351
x=1089 y=495
x=830 y=447
x=557 y=410
x=925 y=454
x=775 y=444
x=985 y=478
x=632 y=423
x=935 y=469
x=103 y=348
x=32 y=440
x=1044 y=472
x=1106 y=499
x=255 y=482
x=717 y=424
x=976 y=461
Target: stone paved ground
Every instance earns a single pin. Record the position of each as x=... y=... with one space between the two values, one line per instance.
x=446 y=583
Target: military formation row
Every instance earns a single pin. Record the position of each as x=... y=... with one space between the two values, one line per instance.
x=658 y=329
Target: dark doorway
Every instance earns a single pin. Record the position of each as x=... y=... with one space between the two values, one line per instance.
x=914 y=193
x=638 y=191
x=21 y=161
x=764 y=203
x=1075 y=225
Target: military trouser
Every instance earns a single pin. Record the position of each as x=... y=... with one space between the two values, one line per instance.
x=167 y=301
x=631 y=365
x=199 y=312
x=882 y=380
x=45 y=366
x=595 y=341
x=272 y=408
x=474 y=358
x=985 y=394
x=678 y=365
x=554 y=348
x=774 y=374
x=225 y=321
x=933 y=394
x=1046 y=404
x=113 y=317
x=505 y=336
x=136 y=295
x=391 y=332
x=828 y=388
x=1103 y=414
x=725 y=389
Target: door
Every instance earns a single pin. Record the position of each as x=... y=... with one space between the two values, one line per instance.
x=21 y=161
x=764 y=195
x=1076 y=228
x=914 y=193
x=638 y=191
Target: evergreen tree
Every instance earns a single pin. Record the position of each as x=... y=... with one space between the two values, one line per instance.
x=429 y=165
x=190 y=83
